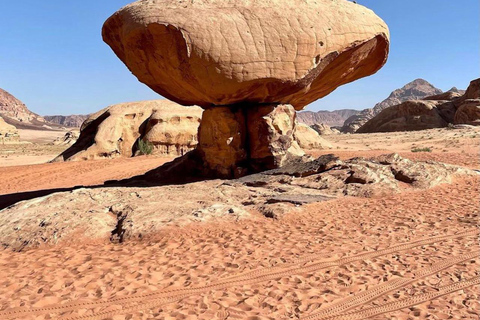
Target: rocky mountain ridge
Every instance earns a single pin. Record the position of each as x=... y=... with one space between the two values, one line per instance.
x=72 y=121
x=330 y=118
x=415 y=90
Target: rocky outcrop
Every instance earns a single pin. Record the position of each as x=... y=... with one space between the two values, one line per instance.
x=116 y=130
x=324 y=130
x=309 y=139
x=122 y=214
x=468 y=113
x=8 y=133
x=433 y=112
x=173 y=131
x=67 y=140
x=329 y=118
x=408 y=116
x=249 y=64
x=72 y=121
x=219 y=52
x=415 y=90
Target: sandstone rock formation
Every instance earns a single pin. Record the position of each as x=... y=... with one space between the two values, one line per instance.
x=415 y=90
x=67 y=140
x=433 y=112
x=121 y=214
x=309 y=139
x=329 y=118
x=468 y=113
x=227 y=52
x=116 y=130
x=8 y=133
x=408 y=116
x=73 y=121
x=324 y=130
x=250 y=64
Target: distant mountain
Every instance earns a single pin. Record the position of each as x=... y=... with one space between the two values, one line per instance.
x=415 y=90
x=330 y=118
x=13 y=109
x=73 y=121
x=16 y=113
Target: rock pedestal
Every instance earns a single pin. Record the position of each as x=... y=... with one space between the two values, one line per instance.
x=236 y=140
x=249 y=64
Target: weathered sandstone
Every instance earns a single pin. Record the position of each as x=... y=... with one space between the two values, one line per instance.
x=116 y=130
x=408 y=116
x=122 y=213
x=432 y=112
x=309 y=139
x=227 y=52
x=249 y=64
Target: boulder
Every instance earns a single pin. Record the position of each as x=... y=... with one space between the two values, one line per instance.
x=68 y=139
x=449 y=95
x=468 y=106
x=468 y=113
x=324 y=130
x=407 y=116
x=216 y=52
x=116 y=130
x=271 y=136
x=309 y=139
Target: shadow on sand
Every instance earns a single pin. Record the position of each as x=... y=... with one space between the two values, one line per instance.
x=182 y=170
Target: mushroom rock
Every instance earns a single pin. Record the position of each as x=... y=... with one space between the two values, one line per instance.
x=247 y=62
x=217 y=52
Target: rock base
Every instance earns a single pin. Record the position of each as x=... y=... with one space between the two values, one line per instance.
x=237 y=140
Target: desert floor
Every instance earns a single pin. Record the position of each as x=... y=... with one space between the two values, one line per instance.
x=413 y=255
x=35 y=147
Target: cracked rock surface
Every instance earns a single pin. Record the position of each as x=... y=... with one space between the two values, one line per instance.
x=217 y=52
x=123 y=213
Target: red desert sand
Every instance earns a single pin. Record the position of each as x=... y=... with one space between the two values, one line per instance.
x=412 y=255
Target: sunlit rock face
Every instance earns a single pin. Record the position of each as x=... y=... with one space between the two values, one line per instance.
x=220 y=52
x=250 y=64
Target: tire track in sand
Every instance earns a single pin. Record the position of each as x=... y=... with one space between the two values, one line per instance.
x=251 y=277
x=366 y=296
x=407 y=302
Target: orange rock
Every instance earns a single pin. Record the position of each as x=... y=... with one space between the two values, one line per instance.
x=220 y=52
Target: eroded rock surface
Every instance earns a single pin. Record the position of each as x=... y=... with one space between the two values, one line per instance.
x=408 y=116
x=310 y=139
x=116 y=130
x=67 y=140
x=433 y=112
x=228 y=52
x=235 y=141
x=129 y=212
x=324 y=130
x=415 y=90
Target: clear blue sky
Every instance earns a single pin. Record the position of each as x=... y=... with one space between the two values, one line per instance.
x=53 y=59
